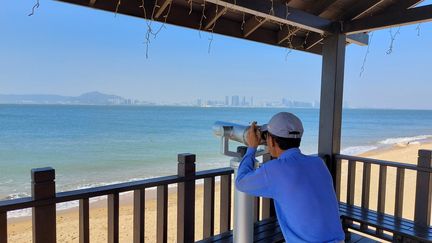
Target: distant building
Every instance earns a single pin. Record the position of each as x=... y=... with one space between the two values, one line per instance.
x=251 y=101
x=243 y=103
x=226 y=100
x=199 y=102
x=287 y=103
x=235 y=100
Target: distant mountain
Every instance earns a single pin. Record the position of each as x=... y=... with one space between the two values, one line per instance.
x=97 y=98
x=90 y=98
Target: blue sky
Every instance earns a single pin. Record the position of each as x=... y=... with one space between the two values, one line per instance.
x=66 y=49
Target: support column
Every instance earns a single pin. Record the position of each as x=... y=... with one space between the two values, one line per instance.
x=44 y=217
x=332 y=78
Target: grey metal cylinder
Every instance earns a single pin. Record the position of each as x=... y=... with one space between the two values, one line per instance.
x=233 y=131
x=243 y=228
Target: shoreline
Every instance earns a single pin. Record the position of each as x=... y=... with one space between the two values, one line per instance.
x=19 y=229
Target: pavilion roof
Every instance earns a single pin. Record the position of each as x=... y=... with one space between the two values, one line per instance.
x=295 y=24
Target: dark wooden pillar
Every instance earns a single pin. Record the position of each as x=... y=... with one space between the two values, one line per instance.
x=186 y=199
x=113 y=218
x=43 y=217
x=3 y=227
x=331 y=98
x=139 y=216
x=84 y=221
x=423 y=199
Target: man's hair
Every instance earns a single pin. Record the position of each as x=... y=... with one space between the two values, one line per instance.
x=286 y=143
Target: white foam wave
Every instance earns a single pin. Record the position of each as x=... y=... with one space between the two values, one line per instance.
x=390 y=141
x=74 y=204
x=356 y=150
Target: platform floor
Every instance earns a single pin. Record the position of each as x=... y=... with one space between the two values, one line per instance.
x=268 y=231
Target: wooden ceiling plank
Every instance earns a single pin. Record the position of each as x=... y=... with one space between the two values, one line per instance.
x=214 y=14
x=163 y=4
x=360 y=9
x=387 y=20
x=252 y=24
x=294 y=17
x=402 y=5
x=321 y=6
x=286 y=32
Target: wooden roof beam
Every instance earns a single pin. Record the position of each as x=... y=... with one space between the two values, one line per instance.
x=293 y=17
x=360 y=9
x=180 y=16
x=319 y=7
x=213 y=15
x=161 y=5
x=403 y=5
x=252 y=24
x=407 y=17
x=286 y=32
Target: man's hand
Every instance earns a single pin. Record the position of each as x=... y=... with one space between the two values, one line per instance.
x=253 y=136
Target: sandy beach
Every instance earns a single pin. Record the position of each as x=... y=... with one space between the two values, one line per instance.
x=19 y=229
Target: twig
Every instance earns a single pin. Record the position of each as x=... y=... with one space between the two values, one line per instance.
x=366 y=55
x=34 y=8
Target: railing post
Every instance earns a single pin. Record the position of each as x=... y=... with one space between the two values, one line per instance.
x=422 y=214
x=186 y=199
x=44 y=217
x=3 y=227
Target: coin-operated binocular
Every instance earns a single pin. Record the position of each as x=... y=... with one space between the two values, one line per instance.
x=243 y=228
x=235 y=132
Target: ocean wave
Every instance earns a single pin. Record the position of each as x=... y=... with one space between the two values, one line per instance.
x=355 y=150
x=74 y=204
x=15 y=196
x=390 y=141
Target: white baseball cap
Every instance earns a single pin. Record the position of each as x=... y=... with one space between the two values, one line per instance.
x=285 y=125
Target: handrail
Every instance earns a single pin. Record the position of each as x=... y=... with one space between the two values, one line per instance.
x=383 y=162
x=28 y=202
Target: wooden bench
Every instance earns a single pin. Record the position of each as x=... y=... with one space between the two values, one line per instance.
x=403 y=230
x=268 y=231
x=264 y=231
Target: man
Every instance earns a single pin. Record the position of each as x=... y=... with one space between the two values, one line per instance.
x=300 y=185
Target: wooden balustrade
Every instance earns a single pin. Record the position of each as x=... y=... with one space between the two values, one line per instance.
x=423 y=186
x=44 y=199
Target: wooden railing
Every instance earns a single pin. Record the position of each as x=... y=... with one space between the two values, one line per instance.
x=44 y=199
x=423 y=185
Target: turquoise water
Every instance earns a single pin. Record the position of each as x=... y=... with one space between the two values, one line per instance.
x=97 y=145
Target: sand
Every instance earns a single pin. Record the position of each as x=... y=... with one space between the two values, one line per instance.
x=19 y=230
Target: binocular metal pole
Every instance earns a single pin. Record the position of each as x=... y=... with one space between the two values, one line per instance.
x=243 y=231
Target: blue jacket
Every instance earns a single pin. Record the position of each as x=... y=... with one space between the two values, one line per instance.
x=302 y=189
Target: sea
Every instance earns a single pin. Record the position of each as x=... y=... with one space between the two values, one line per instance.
x=99 y=145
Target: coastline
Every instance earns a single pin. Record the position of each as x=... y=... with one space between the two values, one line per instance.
x=19 y=229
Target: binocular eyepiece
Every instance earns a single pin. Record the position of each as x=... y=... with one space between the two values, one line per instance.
x=235 y=132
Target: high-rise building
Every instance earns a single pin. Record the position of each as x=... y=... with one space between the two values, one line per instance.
x=243 y=103
x=235 y=100
x=251 y=101
x=226 y=100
